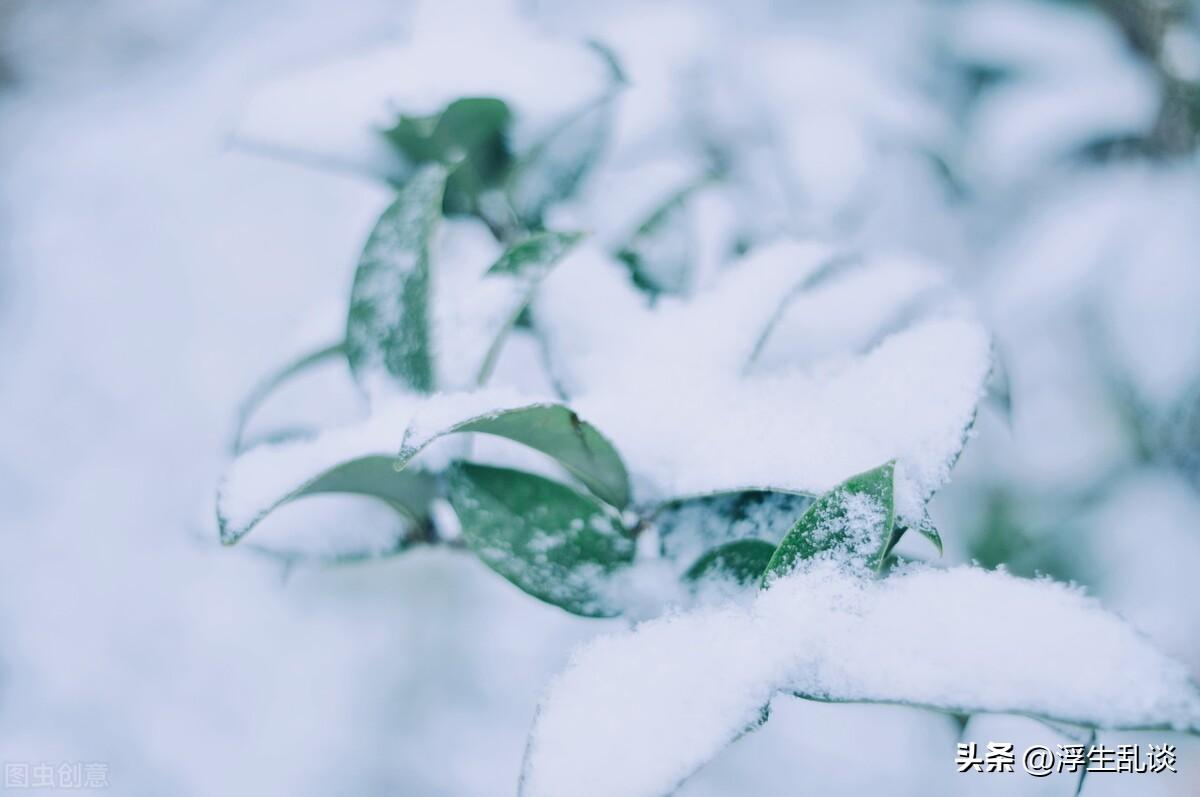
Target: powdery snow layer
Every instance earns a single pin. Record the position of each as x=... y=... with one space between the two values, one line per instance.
x=671 y=386
x=910 y=399
x=884 y=292
x=636 y=713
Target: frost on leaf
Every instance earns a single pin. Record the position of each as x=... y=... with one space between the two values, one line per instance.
x=852 y=525
x=473 y=292
x=556 y=544
x=635 y=714
x=389 y=329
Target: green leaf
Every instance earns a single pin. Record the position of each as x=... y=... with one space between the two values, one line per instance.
x=526 y=262
x=469 y=134
x=554 y=430
x=268 y=385
x=854 y=523
x=408 y=491
x=741 y=561
x=389 y=326
x=554 y=543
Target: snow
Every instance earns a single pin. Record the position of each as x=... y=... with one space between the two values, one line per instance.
x=149 y=274
x=881 y=289
x=1032 y=37
x=801 y=76
x=636 y=713
x=655 y=383
x=1114 y=241
x=813 y=126
x=497 y=55
x=1020 y=128
x=659 y=67
x=1070 y=80
x=808 y=432
x=716 y=330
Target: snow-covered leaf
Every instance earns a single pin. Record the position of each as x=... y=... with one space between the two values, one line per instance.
x=388 y=331
x=675 y=691
x=740 y=561
x=524 y=264
x=268 y=476
x=553 y=429
x=669 y=383
x=853 y=524
x=407 y=491
x=551 y=541
x=269 y=384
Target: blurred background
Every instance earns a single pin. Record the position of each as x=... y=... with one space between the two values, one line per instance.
x=152 y=267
